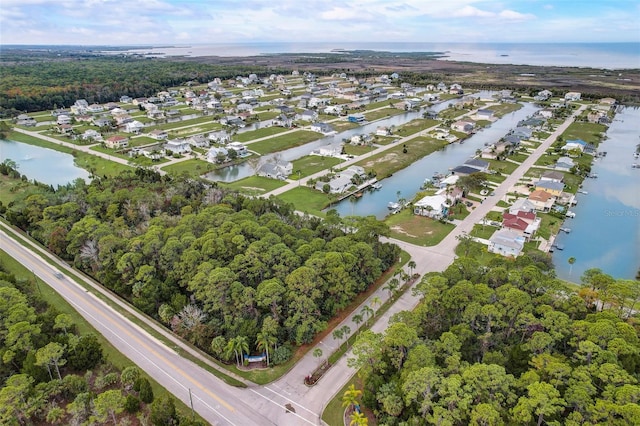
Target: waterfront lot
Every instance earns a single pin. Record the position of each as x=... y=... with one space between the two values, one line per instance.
x=383 y=113
x=415 y=126
x=306 y=200
x=259 y=133
x=255 y=185
x=394 y=159
x=311 y=164
x=280 y=143
x=418 y=230
x=588 y=132
x=193 y=167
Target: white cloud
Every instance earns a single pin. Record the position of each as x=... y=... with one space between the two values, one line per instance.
x=515 y=16
x=470 y=11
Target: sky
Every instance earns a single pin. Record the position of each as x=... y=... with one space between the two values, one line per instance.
x=185 y=22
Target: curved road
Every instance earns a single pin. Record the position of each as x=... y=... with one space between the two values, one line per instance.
x=285 y=402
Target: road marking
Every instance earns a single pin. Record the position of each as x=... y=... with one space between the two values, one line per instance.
x=290 y=400
x=280 y=405
x=73 y=289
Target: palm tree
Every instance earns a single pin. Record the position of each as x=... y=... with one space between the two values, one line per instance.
x=238 y=345
x=412 y=265
x=375 y=301
x=263 y=341
x=392 y=286
x=571 y=261
x=357 y=319
x=367 y=312
x=350 y=396
x=358 y=419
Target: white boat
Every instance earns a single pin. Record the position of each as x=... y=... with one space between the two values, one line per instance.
x=393 y=206
x=570 y=214
x=376 y=185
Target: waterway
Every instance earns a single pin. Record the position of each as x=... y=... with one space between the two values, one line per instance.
x=605 y=233
x=42 y=164
x=408 y=181
x=236 y=172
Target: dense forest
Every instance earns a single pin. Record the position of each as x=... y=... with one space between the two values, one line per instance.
x=43 y=83
x=503 y=344
x=51 y=374
x=211 y=264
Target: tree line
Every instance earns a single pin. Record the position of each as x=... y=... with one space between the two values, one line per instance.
x=507 y=343
x=207 y=262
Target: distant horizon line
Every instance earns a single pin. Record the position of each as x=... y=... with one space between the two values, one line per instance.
x=170 y=44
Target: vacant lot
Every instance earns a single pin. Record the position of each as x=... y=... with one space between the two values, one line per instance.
x=415 y=126
x=260 y=133
x=255 y=185
x=280 y=143
x=306 y=200
x=311 y=164
x=588 y=132
x=193 y=168
x=415 y=229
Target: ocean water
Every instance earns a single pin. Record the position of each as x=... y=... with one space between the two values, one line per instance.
x=595 y=55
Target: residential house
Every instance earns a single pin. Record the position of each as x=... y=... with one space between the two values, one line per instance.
x=343 y=180
x=564 y=164
x=323 y=128
x=464 y=170
x=154 y=152
x=532 y=122
x=543 y=95
x=356 y=118
x=65 y=129
x=25 y=120
x=433 y=206
x=441 y=87
x=383 y=131
x=158 y=134
x=545 y=113
x=125 y=99
x=133 y=127
x=282 y=121
x=243 y=106
x=484 y=114
x=522 y=132
x=217 y=154
x=572 y=96
x=307 y=115
x=63 y=119
x=522 y=204
x=542 y=200
x=91 y=134
x=117 y=142
x=85 y=118
x=455 y=89
x=506 y=243
x=333 y=110
x=317 y=102
x=94 y=108
x=239 y=148
x=177 y=146
x=101 y=121
x=276 y=170
x=552 y=176
x=431 y=97
x=198 y=141
x=553 y=188
x=580 y=145
x=479 y=165
x=122 y=119
x=463 y=126
x=220 y=137
x=523 y=223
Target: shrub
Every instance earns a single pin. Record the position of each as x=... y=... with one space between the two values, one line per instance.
x=146 y=393
x=132 y=404
x=107 y=380
x=281 y=355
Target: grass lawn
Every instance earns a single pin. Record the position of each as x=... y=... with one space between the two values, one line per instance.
x=194 y=130
x=341 y=126
x=383 y=113
x=267 y=115
x=259 y=133
x=255 y=185
x=504 y=109
x=142 y=140
x=185 y=123
x=383 y=140
x=549 y=225
x=10 y=188
x=280 y=143
x=390 y=161
x=519 y=156
x=504 y=167
x=571 y=181
x=416 y=229
x=375 y=105
x=588 y=132
x=306 y=200
x=415 y=126
x=311 y=164
x=100 y=166
x=357 y=150
x=483 y=231
x=193 y=167
x=333 y=414
x=451 y=113
x=459 y=211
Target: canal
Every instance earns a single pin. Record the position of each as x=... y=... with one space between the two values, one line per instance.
x=605 y=233
x=232 y=173
x=42 y=164
x=407 y=182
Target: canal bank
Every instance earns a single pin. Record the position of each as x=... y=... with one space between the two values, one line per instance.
x=605 y=233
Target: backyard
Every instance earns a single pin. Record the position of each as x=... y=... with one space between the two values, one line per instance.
x=311 y=164
x=280 y=143
x=415 y=229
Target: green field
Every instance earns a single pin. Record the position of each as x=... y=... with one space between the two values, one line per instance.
x=306 y=200
x=311 y=164
x=415 y=126
x=504 y=109
x=390 y=161
x=383 y=113
x=280 y=143
x=185 y=123
x=259 y=133
x=255 y=185
x=193 y=167
x=357 y=150
x=415 y=229
x=588 y=132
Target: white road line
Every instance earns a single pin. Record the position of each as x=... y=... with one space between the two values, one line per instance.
x=279 y=405
x=290 y=400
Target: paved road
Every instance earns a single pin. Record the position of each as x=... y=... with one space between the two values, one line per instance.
x=221 y=404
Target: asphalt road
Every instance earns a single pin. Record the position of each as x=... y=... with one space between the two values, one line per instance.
x=285 y=402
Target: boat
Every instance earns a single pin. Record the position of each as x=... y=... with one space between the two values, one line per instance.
x=635 y=166
x=559 y=246
x=566 y=230
x=570 y=214
x=393 y=205
x=376 y=185
x=581 y=191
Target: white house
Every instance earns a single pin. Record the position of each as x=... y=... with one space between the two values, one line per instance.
x=93 y=108
x=158 y=134
x=239 y=148
x=91 y=134
x=63 y=119
x=216 y=153
x=432 y=206
x=463 y=126
x=276 y=170
x=565 y=164
x=484 y=114
x=117 y=142
x=133 y=127
x=572 y=96
x=506 y=243
x=178 y=146
x=323 y=128
x=198 y=141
